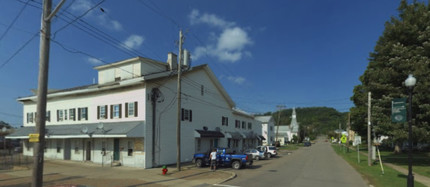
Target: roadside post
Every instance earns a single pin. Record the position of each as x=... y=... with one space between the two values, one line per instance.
x=357 y=142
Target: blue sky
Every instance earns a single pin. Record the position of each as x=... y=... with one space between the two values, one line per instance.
x=265 y=53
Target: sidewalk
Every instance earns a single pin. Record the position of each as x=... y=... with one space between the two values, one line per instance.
x=71 y=173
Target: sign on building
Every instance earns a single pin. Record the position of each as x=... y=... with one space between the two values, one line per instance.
x=33 y=137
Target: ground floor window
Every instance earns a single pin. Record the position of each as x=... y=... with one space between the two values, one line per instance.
x=130 y=148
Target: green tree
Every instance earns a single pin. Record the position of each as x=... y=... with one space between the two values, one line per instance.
x=403 y=48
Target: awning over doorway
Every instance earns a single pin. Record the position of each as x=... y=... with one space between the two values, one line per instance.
x=90 y=130
x=208 y=134
x=235 y=135
x=261 y=137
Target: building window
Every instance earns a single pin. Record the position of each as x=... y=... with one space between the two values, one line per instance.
x=235 y=143
x=130 y=148
x=243 y=144
x=249 y=125
x=224 y=121
x=115 y=111
x=202 y=90
x=59 y=115
x=83 y=113
x=48 y=115
x=237 y=124
x=243 y=125
x=77 y=147
x=131 y=109
x=187 y=115
x=102 y=112
x=59 y=142
x=65 y=114
x=72 y=112
x=30 y=117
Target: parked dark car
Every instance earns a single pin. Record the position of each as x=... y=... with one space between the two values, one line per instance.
x=307 y=144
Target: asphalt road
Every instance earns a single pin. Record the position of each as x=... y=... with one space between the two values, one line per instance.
x=317 y=165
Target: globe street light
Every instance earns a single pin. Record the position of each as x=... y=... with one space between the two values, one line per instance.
x=410 y=83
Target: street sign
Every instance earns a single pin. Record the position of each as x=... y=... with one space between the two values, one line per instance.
x=33 y=137
x=398 y=110
x=357 y=140
x=343 y=139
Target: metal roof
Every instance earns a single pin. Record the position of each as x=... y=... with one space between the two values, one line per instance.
x=264 y=119
x=94 y=130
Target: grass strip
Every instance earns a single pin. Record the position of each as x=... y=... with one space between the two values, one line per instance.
x=373 y=173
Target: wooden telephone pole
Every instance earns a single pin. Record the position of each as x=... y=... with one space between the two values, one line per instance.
x=178 y=125
x=369 y=129
x=45 y=34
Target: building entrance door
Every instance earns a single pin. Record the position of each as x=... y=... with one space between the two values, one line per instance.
x=88 y=151
x=116 y=149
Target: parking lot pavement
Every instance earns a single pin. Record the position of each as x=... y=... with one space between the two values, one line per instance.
x=58 y=173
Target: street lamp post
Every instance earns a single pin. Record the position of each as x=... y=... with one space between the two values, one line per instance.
x=410 y=83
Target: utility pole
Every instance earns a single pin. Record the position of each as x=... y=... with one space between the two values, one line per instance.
x=280 y=107
x=178 y=125
x=369 y=143
x=45 y=34
x=348 y=129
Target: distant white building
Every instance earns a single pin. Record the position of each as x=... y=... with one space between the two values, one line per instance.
x=294 y=126
x=267 y=128
x=130 y=116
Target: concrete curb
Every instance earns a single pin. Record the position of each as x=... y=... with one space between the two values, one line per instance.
x=232 y=176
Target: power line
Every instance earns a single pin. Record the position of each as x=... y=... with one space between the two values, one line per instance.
x=19 y=50
x=14 y=20
x=77 y=18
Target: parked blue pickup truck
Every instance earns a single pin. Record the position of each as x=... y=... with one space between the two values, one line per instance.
x=225 y=157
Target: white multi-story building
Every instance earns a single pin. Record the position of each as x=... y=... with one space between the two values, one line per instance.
x=130 y=116
x=267 y=129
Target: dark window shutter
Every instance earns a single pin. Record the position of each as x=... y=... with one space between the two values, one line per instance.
x=74 y=114
x=126 y=110
x=182 y=114
x=120 y=111
x=98 y=112
x=86 y=113
x=191 y=115
x=135 y=109
x=58 y=115
x=79 y=114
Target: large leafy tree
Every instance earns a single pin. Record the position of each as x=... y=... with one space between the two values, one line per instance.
x=403 y=48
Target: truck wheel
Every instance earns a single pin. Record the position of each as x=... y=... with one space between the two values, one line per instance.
x=199 y=163
x=257 y=158
x=236 y=165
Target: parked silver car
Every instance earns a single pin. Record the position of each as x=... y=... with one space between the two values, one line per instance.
x=256 y=155
x=270 y=151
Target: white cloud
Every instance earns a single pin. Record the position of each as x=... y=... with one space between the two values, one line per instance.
x=94 y=61
x=237 y=80
x=233 y=39
x=229 y=45
x=134 y=41
x=210 y=19
x=81 y=6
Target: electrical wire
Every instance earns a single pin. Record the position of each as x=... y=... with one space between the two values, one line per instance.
x=19 y=50
x=14 y=20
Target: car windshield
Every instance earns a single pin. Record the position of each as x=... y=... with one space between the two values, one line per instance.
x=272 y=148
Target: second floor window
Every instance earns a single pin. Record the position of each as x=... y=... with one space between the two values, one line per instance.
x=237 y=124
x=249 y=125
x=224 y=121
x=102 y=112
x=83 y=113
x=72 y=112
x=131 y=109
x=243 y=125
x=187 y=115
x=59 y=115
x=115 y=111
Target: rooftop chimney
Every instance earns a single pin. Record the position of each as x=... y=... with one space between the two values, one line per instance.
x=172 y=61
